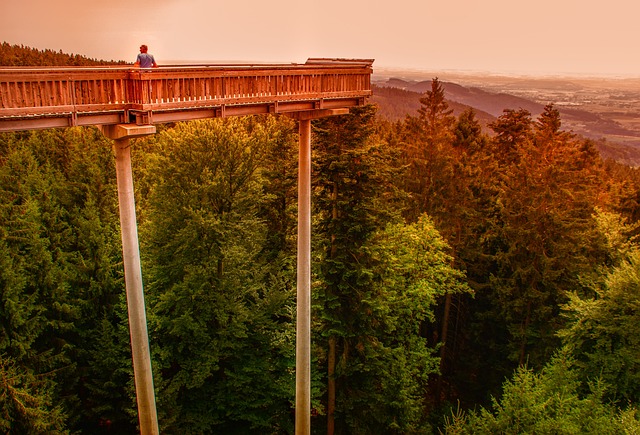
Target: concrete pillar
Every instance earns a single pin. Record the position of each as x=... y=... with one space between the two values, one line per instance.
x=303 y=307
x=303 y=310
x=140 y=351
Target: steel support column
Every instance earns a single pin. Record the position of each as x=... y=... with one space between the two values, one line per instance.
x=303 y=310
x=303 y=307
x=143 y=376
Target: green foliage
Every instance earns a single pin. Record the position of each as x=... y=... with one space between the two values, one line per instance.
x=411 y=270
x=547 y=403
x=517 y=210
x=29 y=253
x=620 y=238
x=603 y=333
x=378 y=288
x=27 y=402
x=221 y=315
x=386 y=361
x=530 y=218
x=279 y=170
x=60 y=258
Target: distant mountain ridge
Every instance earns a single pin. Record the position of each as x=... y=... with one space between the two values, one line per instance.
x=489 y=102
x=395 y=104
x=397 y=98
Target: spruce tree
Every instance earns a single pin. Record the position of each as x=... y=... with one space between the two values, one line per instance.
x=220 y=316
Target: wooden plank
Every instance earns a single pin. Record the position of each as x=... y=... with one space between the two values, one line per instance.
x=101 y=91
x=7 y=125
x=164 y=117
x=4 y=95
x=83 y=106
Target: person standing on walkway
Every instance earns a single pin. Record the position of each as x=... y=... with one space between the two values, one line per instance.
x=144 y=59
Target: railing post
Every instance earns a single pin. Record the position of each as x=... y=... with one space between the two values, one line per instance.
x=134 y=88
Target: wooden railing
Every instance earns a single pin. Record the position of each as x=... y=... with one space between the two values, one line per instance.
x=46 y=97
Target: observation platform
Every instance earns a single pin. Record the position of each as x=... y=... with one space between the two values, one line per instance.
x=49 y=97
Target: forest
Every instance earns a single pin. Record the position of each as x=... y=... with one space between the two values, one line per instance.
x=464 y=282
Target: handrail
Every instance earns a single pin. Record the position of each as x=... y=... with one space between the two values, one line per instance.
x=30 y=92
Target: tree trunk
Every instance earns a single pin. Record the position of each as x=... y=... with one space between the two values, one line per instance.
x=523 y=343
x=331 y=386
x=331 y=357
x=443 y=340
x=220 y=269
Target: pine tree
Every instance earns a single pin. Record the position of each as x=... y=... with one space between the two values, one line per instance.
x=351 y=183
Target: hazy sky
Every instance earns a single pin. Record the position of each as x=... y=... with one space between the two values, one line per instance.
x=503 y=36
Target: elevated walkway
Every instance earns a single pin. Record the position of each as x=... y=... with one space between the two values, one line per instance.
x=38 y=98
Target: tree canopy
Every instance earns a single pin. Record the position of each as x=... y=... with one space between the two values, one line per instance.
x=445 y=260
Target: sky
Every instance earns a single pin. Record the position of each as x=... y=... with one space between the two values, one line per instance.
x=542 y=37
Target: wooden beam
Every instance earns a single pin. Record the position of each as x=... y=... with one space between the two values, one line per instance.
x=125 y=131
x=318 y=113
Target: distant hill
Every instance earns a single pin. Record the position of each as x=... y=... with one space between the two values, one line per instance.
x=395 y=104
x=20 y=55
x=489 y=102
x=397 y=98
x=625 y=154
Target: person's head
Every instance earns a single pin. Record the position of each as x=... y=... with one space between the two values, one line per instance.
x=143 y=48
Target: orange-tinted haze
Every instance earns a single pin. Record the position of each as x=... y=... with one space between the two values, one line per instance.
x=502 y=36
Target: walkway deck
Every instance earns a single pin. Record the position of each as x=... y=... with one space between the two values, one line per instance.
x=38 y=98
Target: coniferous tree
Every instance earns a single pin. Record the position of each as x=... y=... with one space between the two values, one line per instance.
x=545 y=202
x=353 y=185
x=548 y=402
x=223 y=326
x=20 y=55
x=60 y=181
x=427 y=141
x=378 y=364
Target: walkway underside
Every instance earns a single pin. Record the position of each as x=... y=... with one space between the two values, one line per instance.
x=150 y=116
